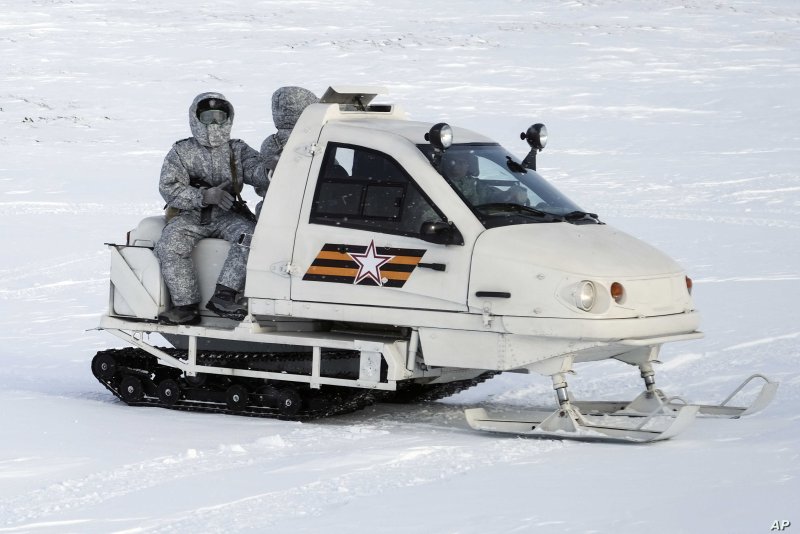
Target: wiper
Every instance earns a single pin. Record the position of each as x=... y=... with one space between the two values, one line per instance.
x=577 y=215
x=514 y=166
x=510 y=206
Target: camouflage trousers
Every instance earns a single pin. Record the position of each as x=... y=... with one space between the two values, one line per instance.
x=174 y=252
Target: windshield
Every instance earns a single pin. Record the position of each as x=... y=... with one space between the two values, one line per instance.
x=500 y=191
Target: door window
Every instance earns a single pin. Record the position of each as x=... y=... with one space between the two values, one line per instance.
x=366 y=189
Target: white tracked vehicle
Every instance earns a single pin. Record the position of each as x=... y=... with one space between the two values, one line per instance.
x=378 y=273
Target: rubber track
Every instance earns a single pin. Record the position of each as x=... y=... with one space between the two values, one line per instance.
x=329 y=401
x=139 y=363
x=413 y=393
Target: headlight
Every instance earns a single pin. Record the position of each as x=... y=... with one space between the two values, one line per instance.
x=585 y=296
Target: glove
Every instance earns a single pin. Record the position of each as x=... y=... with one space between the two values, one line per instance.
x=218 y=196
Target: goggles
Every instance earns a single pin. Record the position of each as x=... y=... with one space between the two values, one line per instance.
x=213 y=111
x=212 y=116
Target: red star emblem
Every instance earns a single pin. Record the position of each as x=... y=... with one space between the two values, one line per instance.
x=369 y=264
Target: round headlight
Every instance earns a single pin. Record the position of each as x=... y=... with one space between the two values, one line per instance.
x=585 y=296
x=440 y=136
x=536 y=136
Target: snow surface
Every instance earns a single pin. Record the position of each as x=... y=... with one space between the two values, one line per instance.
x=676 y=120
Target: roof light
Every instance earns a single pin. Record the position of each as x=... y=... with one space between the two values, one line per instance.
x=440 y=136
x=536 y=136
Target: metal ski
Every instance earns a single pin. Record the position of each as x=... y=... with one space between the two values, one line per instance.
x=569 y=423
x=655 y=401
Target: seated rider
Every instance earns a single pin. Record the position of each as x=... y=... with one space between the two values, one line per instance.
x=201 y=179
x=288 y=103
x=461 y=168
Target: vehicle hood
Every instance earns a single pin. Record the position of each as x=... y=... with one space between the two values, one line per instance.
x=590 y=249
x=540 y=266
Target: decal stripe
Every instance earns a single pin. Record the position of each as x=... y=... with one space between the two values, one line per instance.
x=391 y=275
x=356 y=249
x=329 y=255
x=351 y=273
x=337 y=264
x=335 y=271
x=407 y=260
x=343 y=249
x=334 y=264
x=398 y=267
x=328 y=278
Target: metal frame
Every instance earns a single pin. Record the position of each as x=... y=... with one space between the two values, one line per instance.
x=372 y=352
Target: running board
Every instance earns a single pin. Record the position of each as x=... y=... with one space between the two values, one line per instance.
x=648 y=402
x=569 y=423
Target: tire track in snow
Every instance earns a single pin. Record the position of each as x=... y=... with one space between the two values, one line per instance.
x=370 y=459
x=102 y=486
x=405 y=463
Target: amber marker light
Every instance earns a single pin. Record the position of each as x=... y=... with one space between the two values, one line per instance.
x=617 y=292
x=689 y=285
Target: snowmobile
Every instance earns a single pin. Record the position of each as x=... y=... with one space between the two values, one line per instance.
x=376 y=273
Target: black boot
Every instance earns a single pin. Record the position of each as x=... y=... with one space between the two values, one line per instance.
x=224 y=304
x=186 y=314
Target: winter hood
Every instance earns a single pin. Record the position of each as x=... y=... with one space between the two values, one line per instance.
x=288 y=104
x=211 y=135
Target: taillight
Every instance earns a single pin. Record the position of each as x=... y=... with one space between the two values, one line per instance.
x=689 y=285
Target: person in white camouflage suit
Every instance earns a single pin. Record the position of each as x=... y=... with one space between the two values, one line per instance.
x=201 y=179
x=288 y=104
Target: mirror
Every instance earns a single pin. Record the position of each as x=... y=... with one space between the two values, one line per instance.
x=441 y=233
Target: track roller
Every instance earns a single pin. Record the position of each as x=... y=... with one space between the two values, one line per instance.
x=236 y=397
x=169 y=392
x=104 y=366
x=131 y=389
x=288 y=401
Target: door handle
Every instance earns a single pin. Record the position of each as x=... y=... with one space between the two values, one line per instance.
x=493 y=294
x=434 y=266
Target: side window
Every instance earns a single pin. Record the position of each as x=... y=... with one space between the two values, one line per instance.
x=366 y=189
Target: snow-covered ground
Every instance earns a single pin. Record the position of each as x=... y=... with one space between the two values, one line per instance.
x=676 y=120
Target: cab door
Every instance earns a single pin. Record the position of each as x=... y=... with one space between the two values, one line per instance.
x=359 y=239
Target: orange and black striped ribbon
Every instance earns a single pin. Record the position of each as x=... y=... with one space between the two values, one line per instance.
x=334 y=264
